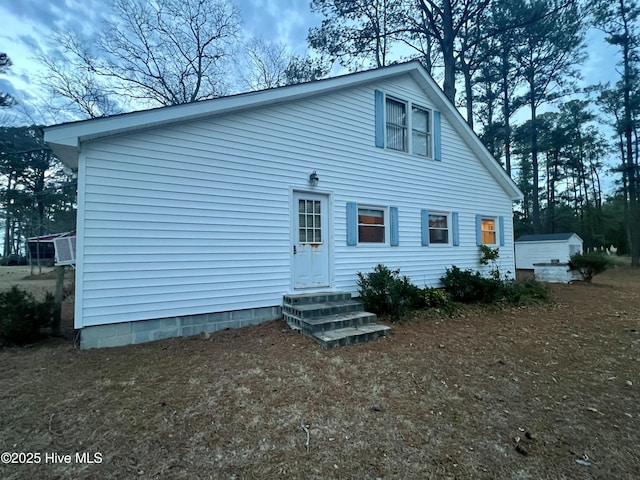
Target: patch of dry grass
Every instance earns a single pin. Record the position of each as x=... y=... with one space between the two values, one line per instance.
x=440 y=398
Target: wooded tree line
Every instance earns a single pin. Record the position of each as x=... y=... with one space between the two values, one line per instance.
x=511 y=67
x=37 y=196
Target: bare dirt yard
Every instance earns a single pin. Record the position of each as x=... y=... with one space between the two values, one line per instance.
x=545 y=392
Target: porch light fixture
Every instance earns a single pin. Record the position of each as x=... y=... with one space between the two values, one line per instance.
x=313 y=178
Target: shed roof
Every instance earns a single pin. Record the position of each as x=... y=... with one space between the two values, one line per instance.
x=66 y=139
x=51 y=237
x=547 y=237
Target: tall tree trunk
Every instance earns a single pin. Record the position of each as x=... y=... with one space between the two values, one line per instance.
x=506 y=107
x=8 y=215
x=534 y=163
x=468 y=90
x=630 y=167
x=448 y=54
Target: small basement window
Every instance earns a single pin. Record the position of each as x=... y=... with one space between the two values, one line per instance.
x=371 y=225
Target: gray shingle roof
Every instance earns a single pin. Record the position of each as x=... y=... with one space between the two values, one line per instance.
x=545 y=237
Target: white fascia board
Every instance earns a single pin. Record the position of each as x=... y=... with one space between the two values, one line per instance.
x=541 y=242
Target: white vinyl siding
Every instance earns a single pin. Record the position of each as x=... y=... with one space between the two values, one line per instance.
x=196 y=217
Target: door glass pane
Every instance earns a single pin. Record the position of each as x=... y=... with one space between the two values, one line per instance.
x=310 y=221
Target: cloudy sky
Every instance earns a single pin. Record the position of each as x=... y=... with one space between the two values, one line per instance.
x=28 y=26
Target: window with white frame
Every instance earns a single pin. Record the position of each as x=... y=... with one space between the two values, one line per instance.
x=488 y=230
x=371 y=225
x=421 y=131
x=396 y=125
x=438 y=228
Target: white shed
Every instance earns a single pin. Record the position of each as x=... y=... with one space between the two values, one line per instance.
x=546 y=248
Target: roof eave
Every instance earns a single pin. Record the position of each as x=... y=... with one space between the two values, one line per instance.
x=65 y=139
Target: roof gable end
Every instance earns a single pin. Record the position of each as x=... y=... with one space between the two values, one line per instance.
x=66 y=139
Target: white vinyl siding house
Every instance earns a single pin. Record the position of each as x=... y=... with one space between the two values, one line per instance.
x=208 y=208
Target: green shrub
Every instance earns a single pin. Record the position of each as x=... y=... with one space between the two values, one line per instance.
x=589 y=264
x=526 y=292
x=439 y=299
x=489 y=256
x=468 y=286
x=22 y=317
x=384 y=291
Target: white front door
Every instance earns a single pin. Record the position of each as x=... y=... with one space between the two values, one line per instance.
x=310 y=240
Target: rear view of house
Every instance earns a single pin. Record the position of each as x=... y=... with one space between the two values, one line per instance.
x=203 y=216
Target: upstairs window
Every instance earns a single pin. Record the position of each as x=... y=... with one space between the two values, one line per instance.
x=406 y=127
x=421 y=131
x=396 y=125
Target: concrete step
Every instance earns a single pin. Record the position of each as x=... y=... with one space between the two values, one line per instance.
x=331 y=318
x=330 y=322
x=350 y=335
x=318 y=297
x=315 y=310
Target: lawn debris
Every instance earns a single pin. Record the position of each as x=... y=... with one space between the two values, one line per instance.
x=584 y=461
x=521 y=449
x=306 y=430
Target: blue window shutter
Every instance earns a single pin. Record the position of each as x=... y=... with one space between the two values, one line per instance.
x=501 y=226
x=352 y=223
x=478 y=230
x=394 y=238
x=455 y=231
x=424 y=221
x=379 y=119
x=437 y=137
